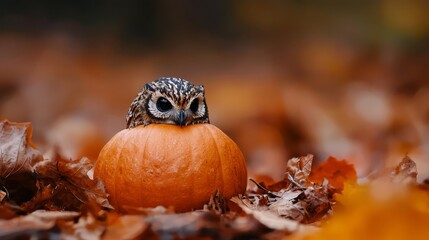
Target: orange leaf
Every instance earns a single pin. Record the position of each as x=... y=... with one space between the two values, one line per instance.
x=364 y=215
x=336 y=172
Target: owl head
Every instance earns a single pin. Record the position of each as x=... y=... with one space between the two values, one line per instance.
x=169 y=101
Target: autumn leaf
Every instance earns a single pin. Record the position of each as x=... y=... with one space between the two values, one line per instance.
x=405 y=172
x=383 y=208
x=297 y=172
x=125 y=227
x=87 y=227
x=301 y=202
x=17 y=152
x=218 y=204
x=31 y=224
x=336 y=172
x=6 y=211
x=17 y=157
x=299 y=169
x=268 y=218
x=404 y=215
x=65 y=185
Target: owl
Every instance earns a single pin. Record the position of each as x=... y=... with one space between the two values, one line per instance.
x=169 y=101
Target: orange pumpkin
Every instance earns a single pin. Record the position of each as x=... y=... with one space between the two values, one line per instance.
x=169 y=165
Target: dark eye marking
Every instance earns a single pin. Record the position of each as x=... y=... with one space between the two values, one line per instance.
x=194 y=105
x=163 y=104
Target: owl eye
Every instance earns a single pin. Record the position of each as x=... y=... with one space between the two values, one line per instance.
x=163 y=104
x=194 y=105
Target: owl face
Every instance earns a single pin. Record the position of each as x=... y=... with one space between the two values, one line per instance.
x=169 y=101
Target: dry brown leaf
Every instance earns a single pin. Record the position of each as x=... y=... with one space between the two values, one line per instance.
x=6 y=211
x=87 y=227
x=65 y=185
x=3 y=195
x=301 y=202
x=299 y=169
x=286 y=206
x=402 y=176
x=55 y=215
x=32 y=223
x=17 y=156
x=126 y=227
x=244 y=227
x=216 y=204
x=405 y=172
x=203 y=224
x=268 y=218
x=17 y=152
x=183 y=225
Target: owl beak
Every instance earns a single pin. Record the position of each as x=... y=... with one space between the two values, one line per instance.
x=181 y=120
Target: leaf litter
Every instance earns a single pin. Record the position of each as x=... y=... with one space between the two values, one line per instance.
x=302 y=201
x=17 y=157
x=309 y=202
x=65 y=185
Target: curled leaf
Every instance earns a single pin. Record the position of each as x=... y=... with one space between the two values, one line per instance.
x=302 y=201
x=65 y=185
x=299 y=169
x=17 y=156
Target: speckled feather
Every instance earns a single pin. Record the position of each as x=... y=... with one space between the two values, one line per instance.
x=178 y=91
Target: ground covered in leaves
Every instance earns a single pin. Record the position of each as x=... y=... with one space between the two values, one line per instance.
x=48 y=196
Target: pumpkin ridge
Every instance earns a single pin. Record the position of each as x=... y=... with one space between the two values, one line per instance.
x=192 y=195
x=116 y=171
x=220 y=157
x=144 y=154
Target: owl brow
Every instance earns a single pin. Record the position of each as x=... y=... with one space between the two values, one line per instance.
x=186 y=95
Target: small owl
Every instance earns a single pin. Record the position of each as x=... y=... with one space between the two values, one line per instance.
x=169 y=101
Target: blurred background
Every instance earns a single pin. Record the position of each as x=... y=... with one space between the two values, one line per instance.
x=283 y=78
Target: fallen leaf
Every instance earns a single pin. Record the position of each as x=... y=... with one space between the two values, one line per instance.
x=286 y=206
x=402 y=176
x=55 y=215
x=336 y=172
x=385 y=208
x=17 y=157
x=32 y=223
x=244 y=227
x=405 y=172
x=203 y=224
x=363 y=215
x=301 y=202
x=6 y=212
x=268 y=218
x=216 y=204
x=87 y=227
x=3 y=195
x=65 y=185
x=299 y=169
x=185 y=225
x=17 y=152
x=126 y=227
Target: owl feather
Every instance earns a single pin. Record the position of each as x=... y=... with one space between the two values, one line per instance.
x=168 y=101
